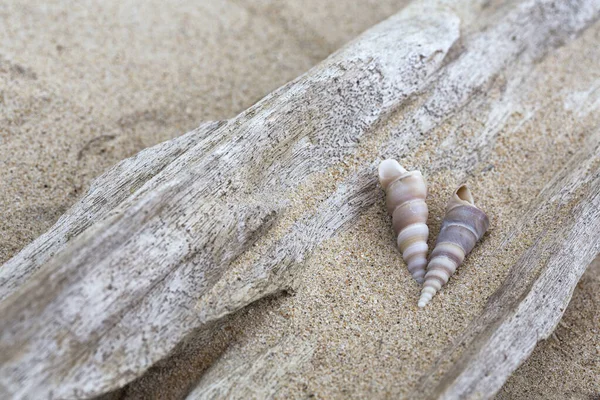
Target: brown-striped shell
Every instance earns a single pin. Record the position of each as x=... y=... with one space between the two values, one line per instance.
x=464 y=224
x=405 y=199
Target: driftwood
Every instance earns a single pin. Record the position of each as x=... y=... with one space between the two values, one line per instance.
x=149 y=254
x=529 y=304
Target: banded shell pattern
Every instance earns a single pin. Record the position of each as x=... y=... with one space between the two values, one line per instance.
x=463 y=225
x=405 y=199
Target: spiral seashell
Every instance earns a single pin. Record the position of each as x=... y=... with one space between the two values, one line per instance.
x=405 y=198
x=464 y=224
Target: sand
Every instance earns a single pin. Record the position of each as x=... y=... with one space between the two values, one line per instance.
x=85 y=85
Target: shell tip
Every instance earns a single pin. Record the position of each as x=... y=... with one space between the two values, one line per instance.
x=389 y=170
x=464 y=194
x=426 y=295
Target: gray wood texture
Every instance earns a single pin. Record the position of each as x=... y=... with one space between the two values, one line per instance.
x=146 y=257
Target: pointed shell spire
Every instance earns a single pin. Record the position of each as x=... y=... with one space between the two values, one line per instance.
x=405 y=199
x=464 y=224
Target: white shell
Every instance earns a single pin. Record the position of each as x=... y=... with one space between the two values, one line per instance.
x=405 y=198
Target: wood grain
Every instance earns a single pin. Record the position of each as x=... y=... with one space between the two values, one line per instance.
x=152 y=253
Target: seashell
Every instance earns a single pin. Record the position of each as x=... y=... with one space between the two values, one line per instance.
x=464 y=224
x=405 y=199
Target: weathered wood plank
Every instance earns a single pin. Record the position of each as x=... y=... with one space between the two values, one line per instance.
x=120 y=295
x=258 y=378
x=455 y=86
x=106 y=193
x=559 y=203
x=123 y=293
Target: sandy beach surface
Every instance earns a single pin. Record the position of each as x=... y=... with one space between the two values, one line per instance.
x=86 y=84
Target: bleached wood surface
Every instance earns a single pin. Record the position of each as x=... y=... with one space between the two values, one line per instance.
x=143 y=259
x=122 y=294
x=105 y=194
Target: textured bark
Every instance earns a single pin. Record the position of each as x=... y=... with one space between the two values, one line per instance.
x=121 y=294
x=147 y=256
x=105 y=194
